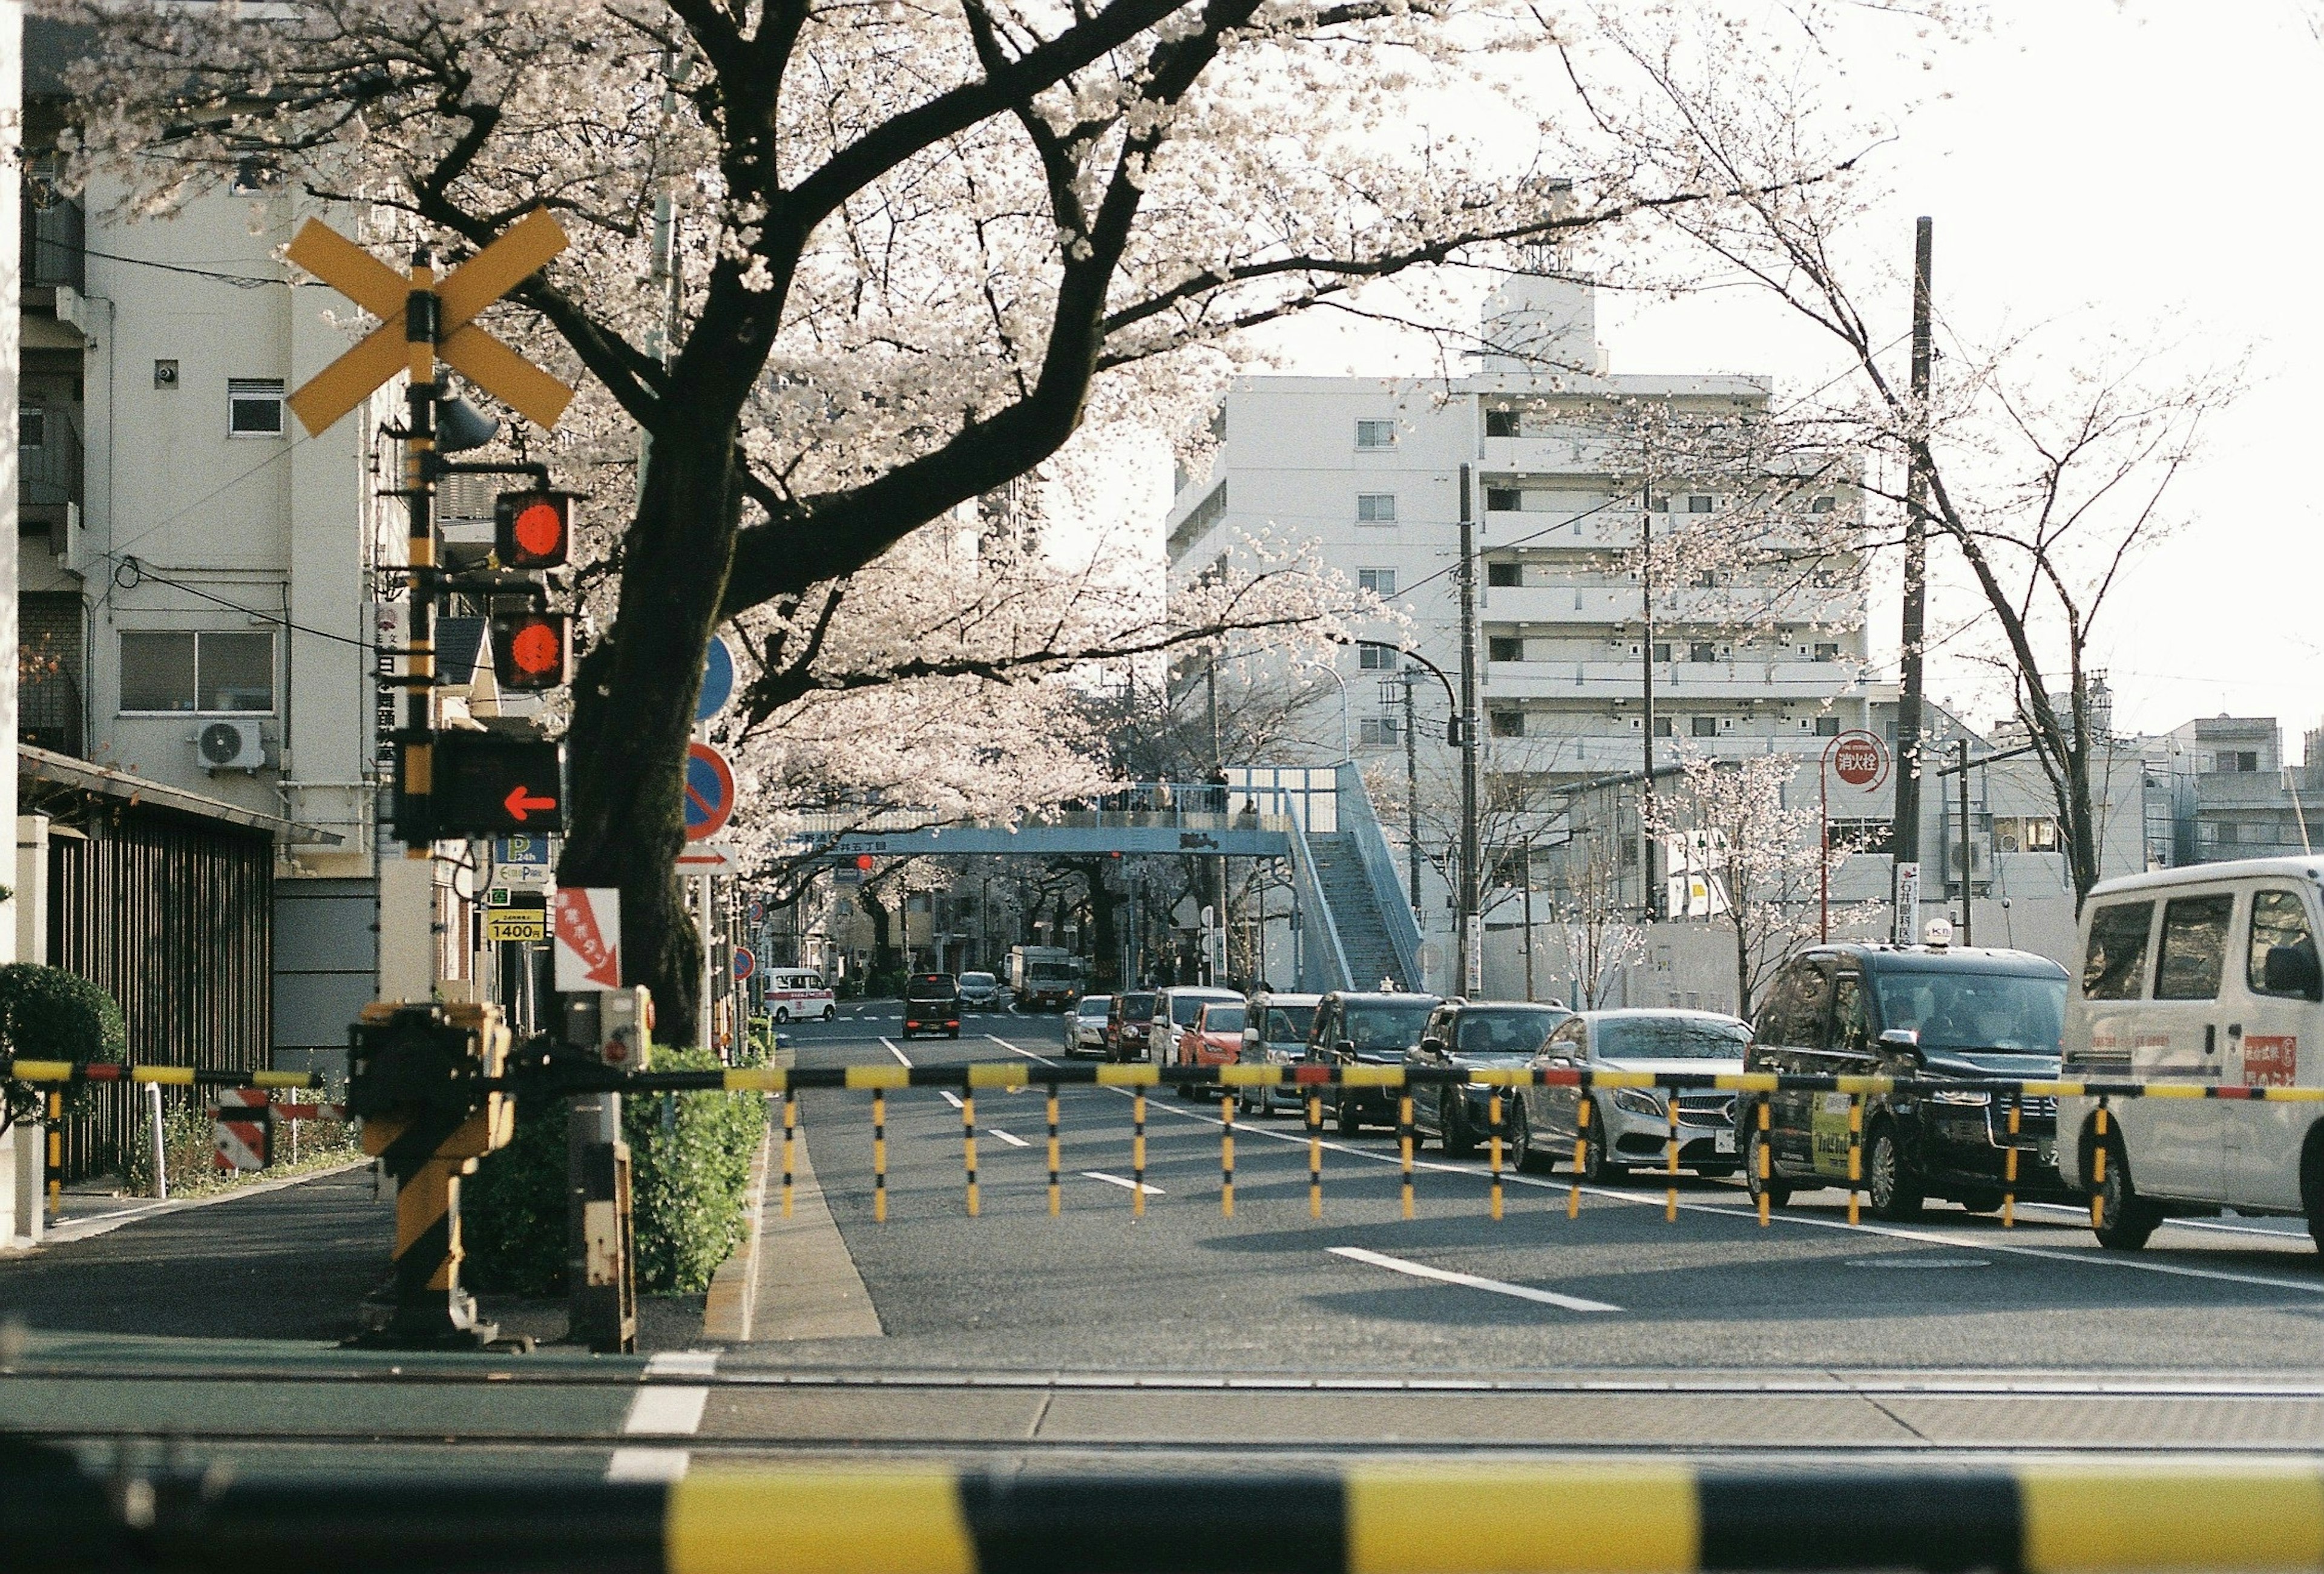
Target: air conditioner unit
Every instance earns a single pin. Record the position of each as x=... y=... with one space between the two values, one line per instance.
x=231 y=746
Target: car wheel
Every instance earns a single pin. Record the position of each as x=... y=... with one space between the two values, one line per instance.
x=953 y=1033
x=1452 y=1119
x=830 y=1013
x=1517 y=1135
x=1981 y=1201
x=782 y=1014
x=2311 y=1190
x=1777 y=1190
x=1894 y=1197
x=2126 y=1218
x=1350 y=1119
x=1594 y=1167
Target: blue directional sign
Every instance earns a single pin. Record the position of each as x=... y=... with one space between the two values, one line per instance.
x=717 y=680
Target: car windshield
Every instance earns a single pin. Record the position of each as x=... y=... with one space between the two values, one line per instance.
x=937 y=987
x=1094 y=1006
x=1289 y=1024
x=2006 y=1012
x=1670 y=1038
x=977 y=980
x=1508 y=1030
x=1184 y=1008
x=1386 y=1027
x=1137 y=1007
x=1223 y=1019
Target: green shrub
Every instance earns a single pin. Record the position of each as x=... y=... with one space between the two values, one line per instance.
x=49 y=1014
x=689 y=1178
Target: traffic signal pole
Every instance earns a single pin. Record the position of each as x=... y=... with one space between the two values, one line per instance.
x=421 y=319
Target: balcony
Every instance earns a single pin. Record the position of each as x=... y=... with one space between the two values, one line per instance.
x=1598 y=755
x=47 y=465
x=1617 y=605
x=1675 y=681
x=52 y=241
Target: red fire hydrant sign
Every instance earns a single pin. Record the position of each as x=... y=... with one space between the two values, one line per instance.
x=588 y=921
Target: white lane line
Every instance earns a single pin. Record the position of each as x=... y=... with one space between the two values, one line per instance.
x=683 y=1363
x=2091 y=1258
x=1009 y=1137
x=666 y=1412
x=1470 y=1281
x=2292 y=1230
x=648 y=1464
x=1012 y=1049
x=1125 y=1184
x=901 y=1057
x=950 y=1097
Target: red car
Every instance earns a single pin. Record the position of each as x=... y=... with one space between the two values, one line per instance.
x=1215 y=1037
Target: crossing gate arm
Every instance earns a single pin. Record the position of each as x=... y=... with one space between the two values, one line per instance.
x=1474 y=1518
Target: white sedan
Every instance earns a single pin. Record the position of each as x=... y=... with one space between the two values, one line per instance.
x=1085 y=1025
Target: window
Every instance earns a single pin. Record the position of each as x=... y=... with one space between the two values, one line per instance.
x=1827 y=650
x=1379 y=581
x=253 y=407
x=1503 y=499
x=1375 y=435
x=1662 y=650
x=2025 y=834
x=1702 y=650
x=1379 y=729
x=1374 y=658
x=2278 y=920
x=1706 y=579
x=32 y=427
x=1376 y=508
x=1849 y=1031
x=1505 y=575
x=2242 y=762
x=1504 y=648
x=2114 y=966
x=1822 y=505
x=1827 y=726
x=1706 y=726
x=2194 y=951
x=1698 y=504
x=1658 y=503
x=1501 y=423
x=1663 y=728
x=1509 y=723
x=208 y=674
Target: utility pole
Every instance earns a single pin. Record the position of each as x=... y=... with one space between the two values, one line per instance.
x=1969 y=898
x=1916 y=591
x=1646 y=903
x=1528 y=919
x=1469 y=947
x=1411 y=793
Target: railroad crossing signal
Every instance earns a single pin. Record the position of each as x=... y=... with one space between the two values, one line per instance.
x=532 y=651
x=521 y=252
x=532 y=530
x=484 y=784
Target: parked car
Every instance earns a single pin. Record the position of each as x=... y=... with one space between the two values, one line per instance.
x=2206 y=976
x=1364 y=1027
x=794 y=994
x=1912 y=1011
x=1085 y=1025
x=1631 y=1126
x=1275 y=1033
x=1465 y=1035
x=1175 y=1010
x=980 y=991
x=1128 y=1025
x=931 y=1005
x=1215 y=1038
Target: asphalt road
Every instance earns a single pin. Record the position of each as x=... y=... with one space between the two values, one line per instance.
x=1189 y=1340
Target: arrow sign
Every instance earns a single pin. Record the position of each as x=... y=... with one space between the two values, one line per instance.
x=523 y=801
x=709 y=792
x=710 y=858
x=521 y=252
x=588 y=938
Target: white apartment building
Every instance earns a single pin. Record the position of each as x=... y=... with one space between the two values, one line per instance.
x=1567 y=468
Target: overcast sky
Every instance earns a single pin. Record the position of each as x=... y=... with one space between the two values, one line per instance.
x=2148 y=169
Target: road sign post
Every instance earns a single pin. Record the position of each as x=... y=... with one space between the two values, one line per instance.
x=1861 y=760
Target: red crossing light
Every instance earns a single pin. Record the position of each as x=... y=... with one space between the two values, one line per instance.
x=532 y=530
x=863 y=861
x=532 y=651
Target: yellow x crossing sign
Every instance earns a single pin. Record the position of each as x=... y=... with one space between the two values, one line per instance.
x=476 y=355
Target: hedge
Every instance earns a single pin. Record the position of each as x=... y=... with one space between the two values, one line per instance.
x=689 y=1179
x=49 y=1014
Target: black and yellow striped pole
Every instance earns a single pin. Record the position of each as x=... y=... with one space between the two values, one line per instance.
x=1493 y=1122
x=1138 y=1154
x=1670 y=1159
x=879 y=1155
x=790 y=1146
x=1314 y=1155
x=968 y=1144
x=52 y=1164
x=1581 y=1156
x=1226 y=1155
x=1766 y=1163
x=1403 y=1145
x=2009 y=1170
x=2098 y=1167
x=1056 y=1190
x=1855 y=1156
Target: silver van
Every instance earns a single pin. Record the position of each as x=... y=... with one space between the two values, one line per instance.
x=2204 y=979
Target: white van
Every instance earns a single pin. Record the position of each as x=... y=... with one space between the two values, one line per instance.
x=794 y=994
x=2205 y=977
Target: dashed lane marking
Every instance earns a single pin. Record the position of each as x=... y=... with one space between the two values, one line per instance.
x=951 y=1097
x=1009 y=1137
x=900 y=1056
x=1470 y=1281
x=1124 y=1182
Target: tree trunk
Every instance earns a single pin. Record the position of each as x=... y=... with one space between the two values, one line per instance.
x=633 y=701
x=1102 y=903
x=883 y=935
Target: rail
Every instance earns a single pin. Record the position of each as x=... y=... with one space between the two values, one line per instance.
x=1313 y=899
x=1403 y=925
x=1643 y=1517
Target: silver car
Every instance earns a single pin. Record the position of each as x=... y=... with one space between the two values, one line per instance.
x=980 y=991
x=1275 y=1033
x=1085 y=1025
x=1630 y=1126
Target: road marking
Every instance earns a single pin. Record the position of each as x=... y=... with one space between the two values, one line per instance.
x=901 y=1057
x=1008 y=1138
x=648 y=1465
x=1470 y=1281
x=683 y=1363
x=951 y=1097
x=666 y=1412
x=2293 y=1229
x=2086 y=1258
x=1127 y=1185
x=1012 y=1049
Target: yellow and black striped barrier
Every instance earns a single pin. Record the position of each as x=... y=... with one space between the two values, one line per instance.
x=1475 y=1518
x=24 y=1068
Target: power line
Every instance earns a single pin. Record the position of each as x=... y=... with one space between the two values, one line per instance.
x=126 y=563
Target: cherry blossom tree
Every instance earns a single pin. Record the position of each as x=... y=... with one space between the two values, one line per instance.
x=845 y=269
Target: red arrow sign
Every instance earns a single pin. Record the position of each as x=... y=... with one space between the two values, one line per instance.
x=589 y=933
x=520 y=802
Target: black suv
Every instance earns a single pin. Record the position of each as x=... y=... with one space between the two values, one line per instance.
x=1913 y=1011
x=932 y=1004
x=1367 y=1029
x=1468 y=1034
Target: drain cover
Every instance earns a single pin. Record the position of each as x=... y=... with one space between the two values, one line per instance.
x=1920 y=1262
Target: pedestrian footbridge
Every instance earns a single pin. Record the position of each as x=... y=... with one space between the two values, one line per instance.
x=1355 y=924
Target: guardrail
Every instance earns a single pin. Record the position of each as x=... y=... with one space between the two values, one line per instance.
x=1314 y=899
x=1356 y=817
x=1380 y=1519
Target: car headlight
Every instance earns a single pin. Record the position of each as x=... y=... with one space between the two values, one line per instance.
x=1966 y=1096
x=1278 y=1055
x=1639 y=1102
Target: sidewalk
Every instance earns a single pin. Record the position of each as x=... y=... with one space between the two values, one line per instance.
x=89 y=1209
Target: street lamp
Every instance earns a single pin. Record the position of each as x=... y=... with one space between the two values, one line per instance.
x=1461 y=731
x=1347 y=746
